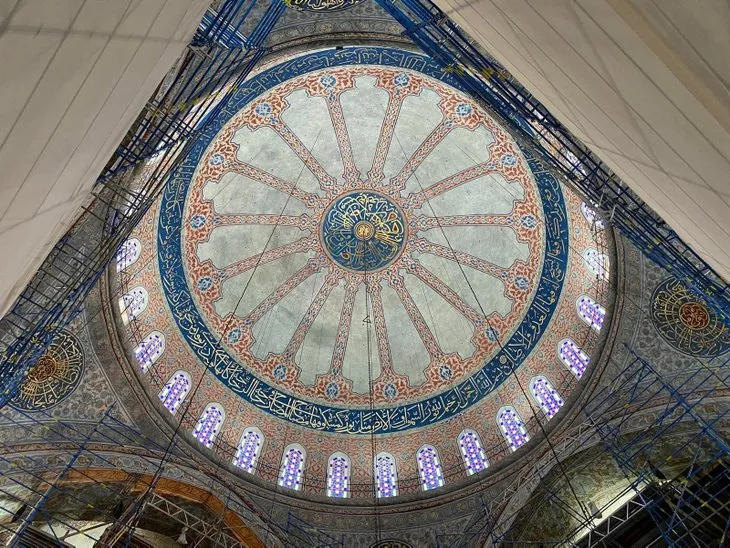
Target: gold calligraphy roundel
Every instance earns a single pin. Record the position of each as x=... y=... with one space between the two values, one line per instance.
x=686 y=323
x=54 y=377
x=363 y=231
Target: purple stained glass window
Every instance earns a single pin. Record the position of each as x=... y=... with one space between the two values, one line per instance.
x=209 y=424
x=292 y=467
x=175 y=391
x=512 y=427
x=128 y=253
x=472 y=452
x=249 y=450
x=385 y=475
x=429 y=468
x=593 y=219
x=546 y=396
x=150 y=349
x=573 y=357
x=596 y=263
x=591 y=312
x=132 y=304
x=338 y=476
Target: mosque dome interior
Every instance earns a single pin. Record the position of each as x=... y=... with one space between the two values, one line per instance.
x=353 y=296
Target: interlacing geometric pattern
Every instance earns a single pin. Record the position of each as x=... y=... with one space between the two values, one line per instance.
x=573 y=357
x=471 y=450
x=512 y=427
x=174 y=392
x=429 y=468
x=249 y=449
x=209 y=424
x=386 y=475
x=591 y=312
x=338 y=476
x=546 y=396
x=292 y=467
x=149 y=350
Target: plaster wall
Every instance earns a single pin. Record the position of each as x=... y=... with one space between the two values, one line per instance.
x=73 y=77
x=644 y=83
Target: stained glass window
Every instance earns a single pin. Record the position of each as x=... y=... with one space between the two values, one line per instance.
x=174 y=392
x=546 y=396
x=385 y=475
x=150 y=349
x=292 y=467
x=132 y=304
x=573 y=357
x=596 y=262
x=249 y=449
x=338 y=476
x=209 y=424
x=590 y=312
x=472 y=452
x=128 y=253
x=429 y=468
x=592 y=217
x=512 y=427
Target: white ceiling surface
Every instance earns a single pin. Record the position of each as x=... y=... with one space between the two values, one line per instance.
x=644 y=83
x=74 y=74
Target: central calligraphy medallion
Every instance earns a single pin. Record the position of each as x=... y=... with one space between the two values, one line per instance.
x=363 y=231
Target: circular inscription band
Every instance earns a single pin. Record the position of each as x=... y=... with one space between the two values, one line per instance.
x=363 y=231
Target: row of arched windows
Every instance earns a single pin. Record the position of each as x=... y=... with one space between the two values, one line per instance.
x=338 y=471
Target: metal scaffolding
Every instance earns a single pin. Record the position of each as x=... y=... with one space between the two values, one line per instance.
x=65 y=456
x=686 y=506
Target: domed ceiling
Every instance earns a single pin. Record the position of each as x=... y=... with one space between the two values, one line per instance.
x=354 y=246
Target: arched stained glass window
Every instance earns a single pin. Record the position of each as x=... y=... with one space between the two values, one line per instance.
x=592 y=217
x=174 y=392
x=209 y=423
x=150 y=349
x=472 y=452
x=132 y=304
x=573 y=357
x=590 y=312
x=292 y=467
x=429 y=468
x=386 y=477
x=546 y=396
x=338 y=476
x=596 y=262
x=249 y=449
x=128 y=253
x=512 y=427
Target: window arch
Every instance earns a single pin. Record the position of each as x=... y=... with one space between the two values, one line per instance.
x=592 y=217
x=174 y=392
x=596 y=262
x=338 y=476
x=292 y=467
x=472 y=452
x=512 y=427
x=386 y=475
x=429 y=468
x=590 y=312
x=149 y=350
x=545 y=395
x=249 y=449
x=573 y=357
x=132 y=304
x=128 y=253
x=209 y=424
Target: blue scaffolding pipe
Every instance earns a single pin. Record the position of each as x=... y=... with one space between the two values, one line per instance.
x=490 y=83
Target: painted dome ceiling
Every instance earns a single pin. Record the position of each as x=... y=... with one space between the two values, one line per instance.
x=354 y=246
